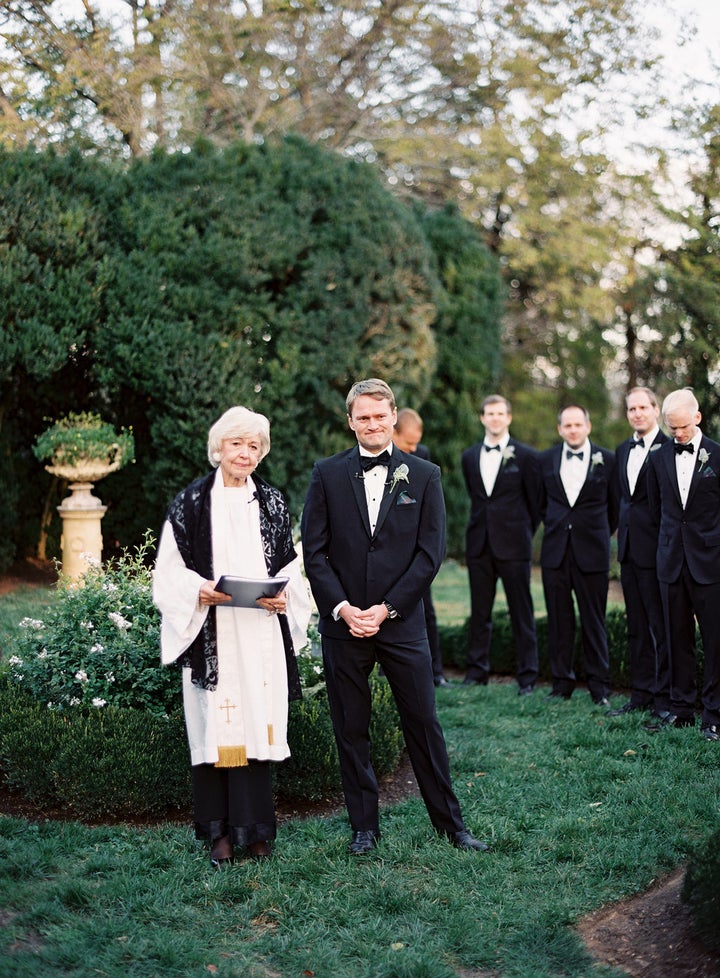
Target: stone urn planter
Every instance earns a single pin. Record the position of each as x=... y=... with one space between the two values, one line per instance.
x=82 y=449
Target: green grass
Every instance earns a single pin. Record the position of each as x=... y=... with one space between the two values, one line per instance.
x=581 y=810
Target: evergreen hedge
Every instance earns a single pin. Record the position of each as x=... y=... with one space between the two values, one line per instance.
x=700 y=891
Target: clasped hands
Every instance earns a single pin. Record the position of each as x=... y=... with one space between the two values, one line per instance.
x=363 y=623
x=209 y=596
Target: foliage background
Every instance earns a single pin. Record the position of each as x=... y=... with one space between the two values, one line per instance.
x=273 y=276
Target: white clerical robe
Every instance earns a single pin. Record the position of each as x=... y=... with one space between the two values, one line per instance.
x=246 y=716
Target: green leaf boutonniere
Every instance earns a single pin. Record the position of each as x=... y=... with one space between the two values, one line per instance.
x=400 y=475
x=703 y=457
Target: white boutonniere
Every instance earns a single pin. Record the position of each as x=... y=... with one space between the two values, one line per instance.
x=508 y=453
x=703 y=457
x=655 y=447
x=400 y=475
x=596 y=459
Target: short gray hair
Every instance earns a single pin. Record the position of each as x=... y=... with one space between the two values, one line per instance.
x=238 y=422
x=683 y=398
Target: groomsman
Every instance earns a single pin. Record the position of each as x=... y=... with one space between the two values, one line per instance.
x=684 y=488
x=407 y=436
x=501 y=477
x=637 y=549
x=578 y=507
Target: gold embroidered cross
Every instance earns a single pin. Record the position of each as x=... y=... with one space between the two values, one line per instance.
x=227 y=706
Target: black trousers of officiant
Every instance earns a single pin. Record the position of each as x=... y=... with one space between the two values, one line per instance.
x=234 y=801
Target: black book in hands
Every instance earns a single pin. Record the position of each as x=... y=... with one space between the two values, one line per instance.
x=245 y=591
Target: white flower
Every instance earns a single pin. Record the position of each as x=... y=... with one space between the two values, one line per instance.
x=110 y=677
x=90 y=559
x=87 y=625
x=43 y=654
x=15 y=660
x=704 y=456
x=31 y=623
x=97 y=647
x=400 y=475
x=110 y=587
x=508 y=453
x=74 y=701
x=596 y=459
x=121 y=623
x=81 y=676
x=97 y=701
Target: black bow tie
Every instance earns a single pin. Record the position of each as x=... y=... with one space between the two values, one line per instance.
x=570 y=454
x=689 y=447
x=368 y=462
x=638 y=443
x=491 y=448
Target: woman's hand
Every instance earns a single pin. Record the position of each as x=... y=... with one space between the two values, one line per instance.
x=275 y=605
x=209 y=596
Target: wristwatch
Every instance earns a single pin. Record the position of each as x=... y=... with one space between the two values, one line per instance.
x=392 y=612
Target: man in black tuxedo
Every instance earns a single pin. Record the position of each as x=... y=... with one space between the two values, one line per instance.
x=637 y=550
x=501 y=477
x=373 y=533
x=684 y=489
x=407 y=436
x=578 y=509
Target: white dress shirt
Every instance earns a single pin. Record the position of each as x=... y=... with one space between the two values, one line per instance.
x=573 y=471
x=490 y=462
x=685 y=466
x=637 y=456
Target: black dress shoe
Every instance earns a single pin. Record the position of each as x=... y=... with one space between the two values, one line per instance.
x=469 y=681
x=659 y=719
x=441 y=681
x=464 y=840
x=601 y=701
x=526 y=690
x=557 y=695
x=363 y=842
x=629 y=707
x=711 y=731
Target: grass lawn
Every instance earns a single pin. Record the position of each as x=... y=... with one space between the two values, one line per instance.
x=580 y=809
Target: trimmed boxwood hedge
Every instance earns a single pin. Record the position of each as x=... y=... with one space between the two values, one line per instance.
x=125 y=763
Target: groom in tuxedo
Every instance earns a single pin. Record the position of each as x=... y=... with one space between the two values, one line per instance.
x=684 y=489
x=501 y=477
x=578 y=508
x=637 y=552
x=373 y=534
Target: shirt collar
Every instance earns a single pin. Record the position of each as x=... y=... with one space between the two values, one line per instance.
x=584 y=448
x=363 y=451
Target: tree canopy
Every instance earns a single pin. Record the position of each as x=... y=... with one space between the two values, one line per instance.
x=273 y=276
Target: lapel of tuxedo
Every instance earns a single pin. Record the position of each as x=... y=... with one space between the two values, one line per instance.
x=357 y=484
x=557 y=462
x=669 y=461
x=623 y=453
x=696 y=471
x=476 y=473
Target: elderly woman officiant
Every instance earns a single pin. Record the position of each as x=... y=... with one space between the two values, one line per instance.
x=238 y=663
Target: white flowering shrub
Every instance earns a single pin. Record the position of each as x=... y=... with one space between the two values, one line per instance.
x=99 y=644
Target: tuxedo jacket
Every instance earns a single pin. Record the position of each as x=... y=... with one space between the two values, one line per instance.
x=586 y=526
x=637 y=531
x=345 y=561
x=509 y=516
x=692 y=533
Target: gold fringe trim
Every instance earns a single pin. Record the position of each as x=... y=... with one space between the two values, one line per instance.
x=232 y=757
x=271 y=738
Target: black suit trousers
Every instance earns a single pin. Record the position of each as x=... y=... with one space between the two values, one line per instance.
x=591 y=589
x=647 y=647
x=407 y=667
x=484 y=572
x=685 y=600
